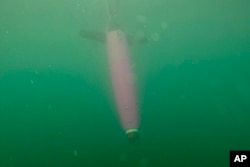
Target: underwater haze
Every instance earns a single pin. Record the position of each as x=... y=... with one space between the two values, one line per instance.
x=57 y=107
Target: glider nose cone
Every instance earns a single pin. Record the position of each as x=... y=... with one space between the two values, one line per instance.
x=133 y=136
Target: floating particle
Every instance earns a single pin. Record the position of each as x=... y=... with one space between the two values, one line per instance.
x=31 y=81
x=182 y=96
x=78 y=4
x=164 y=25
x=143 y=162
x=139 y=35
x=141 y=19
x=50 y=107
x=123 y=157
x=155 y=37
x=75 y=153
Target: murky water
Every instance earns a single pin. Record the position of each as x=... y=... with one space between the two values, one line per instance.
x=192 y=76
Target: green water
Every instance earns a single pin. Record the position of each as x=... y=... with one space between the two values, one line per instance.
x=193 y=82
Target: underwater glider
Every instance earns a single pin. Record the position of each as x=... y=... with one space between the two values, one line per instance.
x=120 y=71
